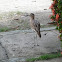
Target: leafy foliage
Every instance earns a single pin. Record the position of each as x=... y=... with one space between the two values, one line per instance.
x=56 y=16
x=45 y=57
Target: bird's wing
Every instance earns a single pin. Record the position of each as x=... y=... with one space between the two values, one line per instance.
x=37 y=26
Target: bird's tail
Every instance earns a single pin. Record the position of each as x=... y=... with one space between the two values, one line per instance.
x=39 y=34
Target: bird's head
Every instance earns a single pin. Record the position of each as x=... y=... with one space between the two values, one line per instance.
x=32 y=16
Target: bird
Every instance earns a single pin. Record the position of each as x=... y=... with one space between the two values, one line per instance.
x=35 y=25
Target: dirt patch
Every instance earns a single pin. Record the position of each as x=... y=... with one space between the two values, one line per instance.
x=18 y=20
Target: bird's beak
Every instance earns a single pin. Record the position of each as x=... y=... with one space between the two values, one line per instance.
x=27 y=15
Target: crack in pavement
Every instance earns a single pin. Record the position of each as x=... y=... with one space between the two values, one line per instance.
x=1 y=36
x=4 y=50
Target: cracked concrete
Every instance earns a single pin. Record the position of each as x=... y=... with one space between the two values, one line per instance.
x=17 y=44
x=3 y=53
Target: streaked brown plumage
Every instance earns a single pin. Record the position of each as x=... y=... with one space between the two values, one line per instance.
x=35 y=24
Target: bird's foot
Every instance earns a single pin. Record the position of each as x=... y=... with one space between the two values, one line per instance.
x=37 y=45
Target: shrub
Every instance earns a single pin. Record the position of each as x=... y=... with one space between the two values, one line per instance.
x=56 y=16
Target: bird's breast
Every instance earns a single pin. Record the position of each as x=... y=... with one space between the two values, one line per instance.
x=32 y=25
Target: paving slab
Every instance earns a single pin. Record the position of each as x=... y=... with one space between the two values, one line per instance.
x=2 y=54
x=25 y=44
x=2 y=51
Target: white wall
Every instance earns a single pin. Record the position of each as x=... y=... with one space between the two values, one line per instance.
x=24 y=5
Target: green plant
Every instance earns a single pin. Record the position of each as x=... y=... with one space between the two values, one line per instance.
x=18 y=12
x=56 y=16
x=4 y=29
x=45 y=57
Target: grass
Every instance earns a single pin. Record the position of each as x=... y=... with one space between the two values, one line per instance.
x=46 y=26
x=24 y=25
x=4 y=29
x=14 y=12
x=9 y=14
x=45 y=57
x=0 y=17
x=18 y=12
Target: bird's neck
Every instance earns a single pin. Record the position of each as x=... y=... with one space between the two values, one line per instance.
x=31 y=19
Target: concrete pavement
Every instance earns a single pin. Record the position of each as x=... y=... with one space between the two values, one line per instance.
x=25 y=44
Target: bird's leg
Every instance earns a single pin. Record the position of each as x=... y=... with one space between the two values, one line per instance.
x=36 y=36
x=36 y=40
